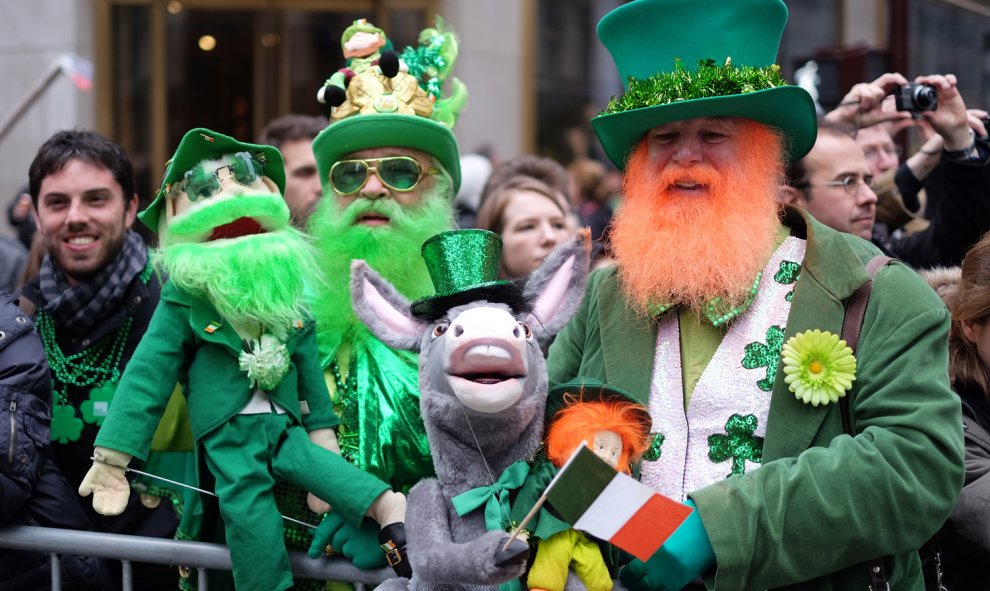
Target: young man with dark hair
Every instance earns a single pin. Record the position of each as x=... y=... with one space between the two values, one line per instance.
x=92 y=302
x=293 y=136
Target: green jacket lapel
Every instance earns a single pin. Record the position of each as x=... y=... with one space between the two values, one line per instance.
x=819 y=302
x=632 y=343
x=204 y=320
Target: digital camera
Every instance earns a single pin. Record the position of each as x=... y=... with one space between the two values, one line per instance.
x=916 y=97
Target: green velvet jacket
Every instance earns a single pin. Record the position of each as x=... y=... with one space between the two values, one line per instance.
x=823 y=502
x=178 y=348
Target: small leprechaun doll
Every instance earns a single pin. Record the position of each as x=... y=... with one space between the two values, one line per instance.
x=231 y=329
x=617 y=429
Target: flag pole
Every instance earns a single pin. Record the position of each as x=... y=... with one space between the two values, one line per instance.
x=529 y=516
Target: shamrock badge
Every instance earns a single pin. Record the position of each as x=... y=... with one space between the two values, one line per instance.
x=66 y=426
x=738 y=444
x=788 y=274
x=94 y=410
x=757 y=355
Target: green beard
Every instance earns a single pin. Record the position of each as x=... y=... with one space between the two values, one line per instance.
x=252 y=279
x=392 y=251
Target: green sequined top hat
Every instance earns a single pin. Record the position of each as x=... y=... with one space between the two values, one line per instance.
x=464 y=267
x=203 y=144
x=591 y=390
x=646 y=38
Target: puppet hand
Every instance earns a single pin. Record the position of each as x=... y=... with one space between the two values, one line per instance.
x=681 y=559
x=326 y=439
x=106 y=481
x=360 y=546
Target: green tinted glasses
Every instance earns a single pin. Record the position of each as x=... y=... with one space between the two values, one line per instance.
x=202 y=183
x=399 y=173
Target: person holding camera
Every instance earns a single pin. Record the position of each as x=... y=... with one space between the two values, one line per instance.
x=829 y=183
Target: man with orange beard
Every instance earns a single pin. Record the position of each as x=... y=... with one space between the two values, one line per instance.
x=723 y=316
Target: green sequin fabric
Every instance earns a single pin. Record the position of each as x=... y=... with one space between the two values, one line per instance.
x=653 y=452
x=738 y=444
x=788 y=274
x=766 y=355
x=681 y=84
x=461 y=259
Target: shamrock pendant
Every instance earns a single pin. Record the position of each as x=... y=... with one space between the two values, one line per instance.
x=94 y=410
x=65 y=426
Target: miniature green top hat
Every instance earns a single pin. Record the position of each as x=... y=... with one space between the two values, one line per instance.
x=464 y=267
x=591 y=390
x=361 y=132
x=203 y=144
x=648 y=37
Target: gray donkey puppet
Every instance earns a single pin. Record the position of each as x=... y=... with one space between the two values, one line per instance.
x=483 y=388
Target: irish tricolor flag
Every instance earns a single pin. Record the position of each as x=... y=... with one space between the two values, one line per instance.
x=594 y=498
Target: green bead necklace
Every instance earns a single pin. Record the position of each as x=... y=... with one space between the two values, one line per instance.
x=97 y=366
x=346 y=407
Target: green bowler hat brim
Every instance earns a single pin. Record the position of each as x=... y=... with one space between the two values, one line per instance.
x=592 y=390
x=204 y=144
x=362 y=132
x=789 y=109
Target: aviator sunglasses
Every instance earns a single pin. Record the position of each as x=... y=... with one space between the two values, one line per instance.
x=202 y=183
x=399 y=173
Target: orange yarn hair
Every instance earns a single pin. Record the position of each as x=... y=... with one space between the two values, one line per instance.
x=579 y=420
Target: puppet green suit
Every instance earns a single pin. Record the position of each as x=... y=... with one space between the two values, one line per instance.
x=188 y=341
x=822 y=502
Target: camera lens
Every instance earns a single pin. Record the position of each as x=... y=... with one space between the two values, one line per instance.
x=925 y=97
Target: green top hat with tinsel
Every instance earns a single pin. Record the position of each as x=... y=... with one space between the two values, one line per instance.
x=681 y=59
x=387 y=107
x=203 y=144
x=464 y=267
x=581 y=389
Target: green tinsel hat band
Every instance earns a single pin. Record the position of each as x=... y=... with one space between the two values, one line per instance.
x=709 y=80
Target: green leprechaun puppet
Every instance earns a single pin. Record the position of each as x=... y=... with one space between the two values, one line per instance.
x=231 y=329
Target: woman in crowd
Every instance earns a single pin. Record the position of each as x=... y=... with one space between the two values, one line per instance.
x=965 y=539
x=526 y=203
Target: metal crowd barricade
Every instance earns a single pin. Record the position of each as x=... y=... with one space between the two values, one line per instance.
x=200 y=556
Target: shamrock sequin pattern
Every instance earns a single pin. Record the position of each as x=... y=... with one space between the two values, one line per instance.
x=738 y=444
x=66 y=426
x=653 y=452
x=788 y=274
x=94 y=410
x=766 y=355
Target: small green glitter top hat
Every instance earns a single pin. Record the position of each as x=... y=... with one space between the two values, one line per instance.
x=203 y=144
x=682 y=59
x=581 y=389
x=464 y=267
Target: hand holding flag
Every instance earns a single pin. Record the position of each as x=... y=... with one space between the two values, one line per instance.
x=594 y=498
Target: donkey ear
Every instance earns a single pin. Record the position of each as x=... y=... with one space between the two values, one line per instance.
x=383 y=309
x=555 y=289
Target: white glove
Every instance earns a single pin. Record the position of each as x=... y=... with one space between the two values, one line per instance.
x=106 y=481
x=388 y=508
x=327 y=439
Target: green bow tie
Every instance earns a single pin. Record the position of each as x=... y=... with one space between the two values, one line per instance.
x=495 y=497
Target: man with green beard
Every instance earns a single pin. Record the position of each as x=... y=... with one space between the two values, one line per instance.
x=389 y=177
x=231 y=329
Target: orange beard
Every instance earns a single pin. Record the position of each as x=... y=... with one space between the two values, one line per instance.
x=677 y=248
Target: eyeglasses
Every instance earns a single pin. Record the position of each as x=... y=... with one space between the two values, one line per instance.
x=399 y=173
x=200 y=183
x=850 y=184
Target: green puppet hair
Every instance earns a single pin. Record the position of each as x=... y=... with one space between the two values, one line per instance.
x=197 y=223
x=252 y=279
x=391 y=251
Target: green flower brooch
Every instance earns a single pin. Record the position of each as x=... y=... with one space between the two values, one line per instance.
x=818 y=367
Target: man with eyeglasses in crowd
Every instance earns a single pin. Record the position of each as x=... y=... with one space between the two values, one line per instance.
x=390 y=169
x=836 y=181
x=92 y=303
